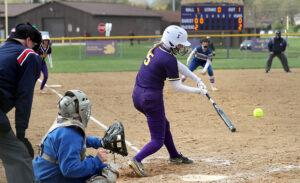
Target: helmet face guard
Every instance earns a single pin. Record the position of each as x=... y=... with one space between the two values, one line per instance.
x=75 y=104
x=180 y=51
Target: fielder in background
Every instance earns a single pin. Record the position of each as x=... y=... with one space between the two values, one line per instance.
x=159 y=64
x=62 y=150
x=277 y=47
x=45 y=50
x=20 y=67
x=202 y=55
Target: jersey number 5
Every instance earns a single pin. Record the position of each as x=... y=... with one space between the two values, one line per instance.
x=148 y=58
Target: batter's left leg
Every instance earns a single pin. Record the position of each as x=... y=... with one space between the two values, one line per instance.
x=169 y=143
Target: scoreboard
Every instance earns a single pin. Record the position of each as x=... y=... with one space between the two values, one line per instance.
x=209 y=17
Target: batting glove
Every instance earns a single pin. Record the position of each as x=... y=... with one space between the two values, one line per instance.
x=202 y=87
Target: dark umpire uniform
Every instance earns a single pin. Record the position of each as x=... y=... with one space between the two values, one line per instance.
x=20 y=67
x=277 y=47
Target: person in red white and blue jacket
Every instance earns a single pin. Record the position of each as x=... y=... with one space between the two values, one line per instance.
x=20 y=67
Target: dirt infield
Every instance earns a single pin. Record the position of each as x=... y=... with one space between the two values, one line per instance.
x=263 y=149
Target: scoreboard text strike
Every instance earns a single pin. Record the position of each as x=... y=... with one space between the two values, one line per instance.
x=212 y=18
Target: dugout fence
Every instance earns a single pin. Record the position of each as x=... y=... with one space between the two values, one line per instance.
x=135 y=47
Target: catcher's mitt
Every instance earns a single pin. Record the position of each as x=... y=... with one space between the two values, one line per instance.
x=114 y=139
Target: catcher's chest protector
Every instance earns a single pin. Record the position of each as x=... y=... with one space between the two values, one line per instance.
x=56 y=125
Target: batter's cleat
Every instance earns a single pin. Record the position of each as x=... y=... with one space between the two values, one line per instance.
x=137 y=167
x=214 y=88
x=180 y=160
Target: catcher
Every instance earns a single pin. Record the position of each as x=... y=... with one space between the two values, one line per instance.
x=62 y=155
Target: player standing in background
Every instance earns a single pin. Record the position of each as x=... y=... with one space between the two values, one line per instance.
x=45 y=50
x=277 y=47
x=159 y=64
x=20 y=67
x=202 y=55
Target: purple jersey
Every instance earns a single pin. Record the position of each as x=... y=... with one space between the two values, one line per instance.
x=156 y=67
x=43 y=52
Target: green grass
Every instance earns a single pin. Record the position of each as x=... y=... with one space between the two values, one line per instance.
x=129 y=58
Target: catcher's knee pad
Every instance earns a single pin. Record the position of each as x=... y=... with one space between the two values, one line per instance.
x=97 y=179
x=111 y=172
x=109 y=175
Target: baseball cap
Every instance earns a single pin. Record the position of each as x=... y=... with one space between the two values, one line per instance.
x=23 y=31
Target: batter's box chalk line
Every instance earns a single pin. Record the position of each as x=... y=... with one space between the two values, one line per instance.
x=202 y=178
x=285 y=168
x=214 y=161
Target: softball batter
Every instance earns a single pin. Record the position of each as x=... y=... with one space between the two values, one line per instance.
x=45 y=50
x=159 y=64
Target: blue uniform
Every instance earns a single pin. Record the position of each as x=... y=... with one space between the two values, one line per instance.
x=65 y=144
x=20 y=67
x=200 y=58
x=148 y=99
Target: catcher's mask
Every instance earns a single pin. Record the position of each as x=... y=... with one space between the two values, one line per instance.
x=73 y=104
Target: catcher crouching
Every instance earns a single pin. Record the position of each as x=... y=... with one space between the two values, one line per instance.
x=62 y=150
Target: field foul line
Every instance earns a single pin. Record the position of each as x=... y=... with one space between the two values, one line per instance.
x=92 y=118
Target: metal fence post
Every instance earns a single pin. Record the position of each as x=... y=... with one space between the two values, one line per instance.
x=228 y=45
x=80 y=57
x=121 y=49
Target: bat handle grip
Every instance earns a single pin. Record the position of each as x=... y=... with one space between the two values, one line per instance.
x=209 y=98
x=207 y=95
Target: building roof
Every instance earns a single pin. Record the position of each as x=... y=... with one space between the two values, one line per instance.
x=17 y=9
x=169 y=16
x=92 y=8
x=95 y=8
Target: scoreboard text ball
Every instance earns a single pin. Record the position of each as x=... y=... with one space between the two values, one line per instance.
x=212 y=18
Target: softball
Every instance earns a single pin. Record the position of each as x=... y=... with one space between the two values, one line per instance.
x=258 y=112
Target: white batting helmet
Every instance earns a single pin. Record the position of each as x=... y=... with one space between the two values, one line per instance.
x=46 y=37
x=173 y=36
x=75 y=103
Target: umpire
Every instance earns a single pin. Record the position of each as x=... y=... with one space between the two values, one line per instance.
x=20 y=67
x=277 y=47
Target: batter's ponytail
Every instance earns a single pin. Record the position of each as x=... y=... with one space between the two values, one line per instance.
x=156 y=45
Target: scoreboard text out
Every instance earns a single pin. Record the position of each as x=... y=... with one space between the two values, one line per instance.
x=212 y=18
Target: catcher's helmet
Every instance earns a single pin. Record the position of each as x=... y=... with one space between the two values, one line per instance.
x=174 y=36
x=73 y=104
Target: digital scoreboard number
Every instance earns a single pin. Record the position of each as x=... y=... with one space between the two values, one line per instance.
x=209 y=18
